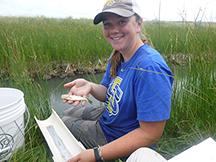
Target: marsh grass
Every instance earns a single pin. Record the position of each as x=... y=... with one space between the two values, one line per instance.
x=193 y=117
x=29 y=45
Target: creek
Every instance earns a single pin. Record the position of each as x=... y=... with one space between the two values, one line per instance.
x=56 y=88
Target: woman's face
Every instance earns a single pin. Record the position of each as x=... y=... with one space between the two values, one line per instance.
x=121 y=32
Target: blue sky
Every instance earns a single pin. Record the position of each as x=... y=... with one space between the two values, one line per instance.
x=169 y=9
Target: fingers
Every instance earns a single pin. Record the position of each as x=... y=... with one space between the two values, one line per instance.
x=84 y=102
x=74 y=159
x=75 y=103
x=78 y=92
x=70 y=84
x=73 y=97
x=74 y=100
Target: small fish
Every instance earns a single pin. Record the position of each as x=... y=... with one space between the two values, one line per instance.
x=73 y=97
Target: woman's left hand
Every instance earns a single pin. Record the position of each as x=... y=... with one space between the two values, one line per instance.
x=85 y=156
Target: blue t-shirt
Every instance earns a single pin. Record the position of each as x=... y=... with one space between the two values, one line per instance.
x=141 y=92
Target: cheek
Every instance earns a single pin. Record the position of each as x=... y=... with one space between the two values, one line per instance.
x=138 y=28
x=105 y=33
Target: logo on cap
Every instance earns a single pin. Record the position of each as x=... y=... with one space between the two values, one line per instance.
x=111 y=2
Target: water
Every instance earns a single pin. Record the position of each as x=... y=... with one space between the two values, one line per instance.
x=56 y=88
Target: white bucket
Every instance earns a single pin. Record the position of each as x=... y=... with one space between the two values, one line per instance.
x=12 y=109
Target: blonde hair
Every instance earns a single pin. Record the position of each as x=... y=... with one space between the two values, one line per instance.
x=116 y=57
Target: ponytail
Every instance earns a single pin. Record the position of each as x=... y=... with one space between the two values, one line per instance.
x=116 y=59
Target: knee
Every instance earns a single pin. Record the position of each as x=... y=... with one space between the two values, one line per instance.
x=67 y=121
x=145 y=154
x=64 y=118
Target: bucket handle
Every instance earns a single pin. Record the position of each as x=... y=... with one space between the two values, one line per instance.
x=28 y=117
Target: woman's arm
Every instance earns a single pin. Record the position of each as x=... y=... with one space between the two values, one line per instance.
x=147 y=134
x=98 y=91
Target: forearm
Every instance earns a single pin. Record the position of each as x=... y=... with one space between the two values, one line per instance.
x=124 y=145
x=98 y=91
x=130 y=142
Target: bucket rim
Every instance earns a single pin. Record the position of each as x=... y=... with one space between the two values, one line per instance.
x=13 y=117
x=12 y=107
x=12 y=112
x=14 y=90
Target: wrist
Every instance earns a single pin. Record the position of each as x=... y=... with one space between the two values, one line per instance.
x=98 y=154
x=91 y=87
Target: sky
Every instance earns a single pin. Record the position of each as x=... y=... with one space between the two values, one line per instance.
x=169 y=10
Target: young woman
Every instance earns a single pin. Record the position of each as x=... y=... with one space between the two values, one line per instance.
x=136 y=89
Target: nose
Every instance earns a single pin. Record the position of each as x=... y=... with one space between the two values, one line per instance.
x=114 y=29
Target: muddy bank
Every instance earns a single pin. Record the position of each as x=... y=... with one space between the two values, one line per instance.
x=69 y=70
x=53 y=70
x=61 y=69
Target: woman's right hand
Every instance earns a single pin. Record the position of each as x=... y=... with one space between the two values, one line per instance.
x=79 y=87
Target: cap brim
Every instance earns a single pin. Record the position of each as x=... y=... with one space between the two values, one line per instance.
x=118 y=11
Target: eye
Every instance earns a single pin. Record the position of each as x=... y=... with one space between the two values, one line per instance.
x=123 y=22
x=106 y=25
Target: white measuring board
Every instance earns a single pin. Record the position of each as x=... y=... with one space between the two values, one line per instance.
x=60 y=140
x=205 y=151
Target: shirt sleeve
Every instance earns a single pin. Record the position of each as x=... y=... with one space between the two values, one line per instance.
x=153 y=91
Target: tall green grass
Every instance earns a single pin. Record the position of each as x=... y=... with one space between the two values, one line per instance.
x=33 y=44
x=177 y=37
x=30 y=46
x=193 y=116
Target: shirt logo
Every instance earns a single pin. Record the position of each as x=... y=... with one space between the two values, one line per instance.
x=114 y=95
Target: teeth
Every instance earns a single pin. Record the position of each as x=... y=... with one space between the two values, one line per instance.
x=116 y=38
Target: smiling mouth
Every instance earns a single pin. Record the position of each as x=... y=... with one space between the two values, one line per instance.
x=116 y=38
